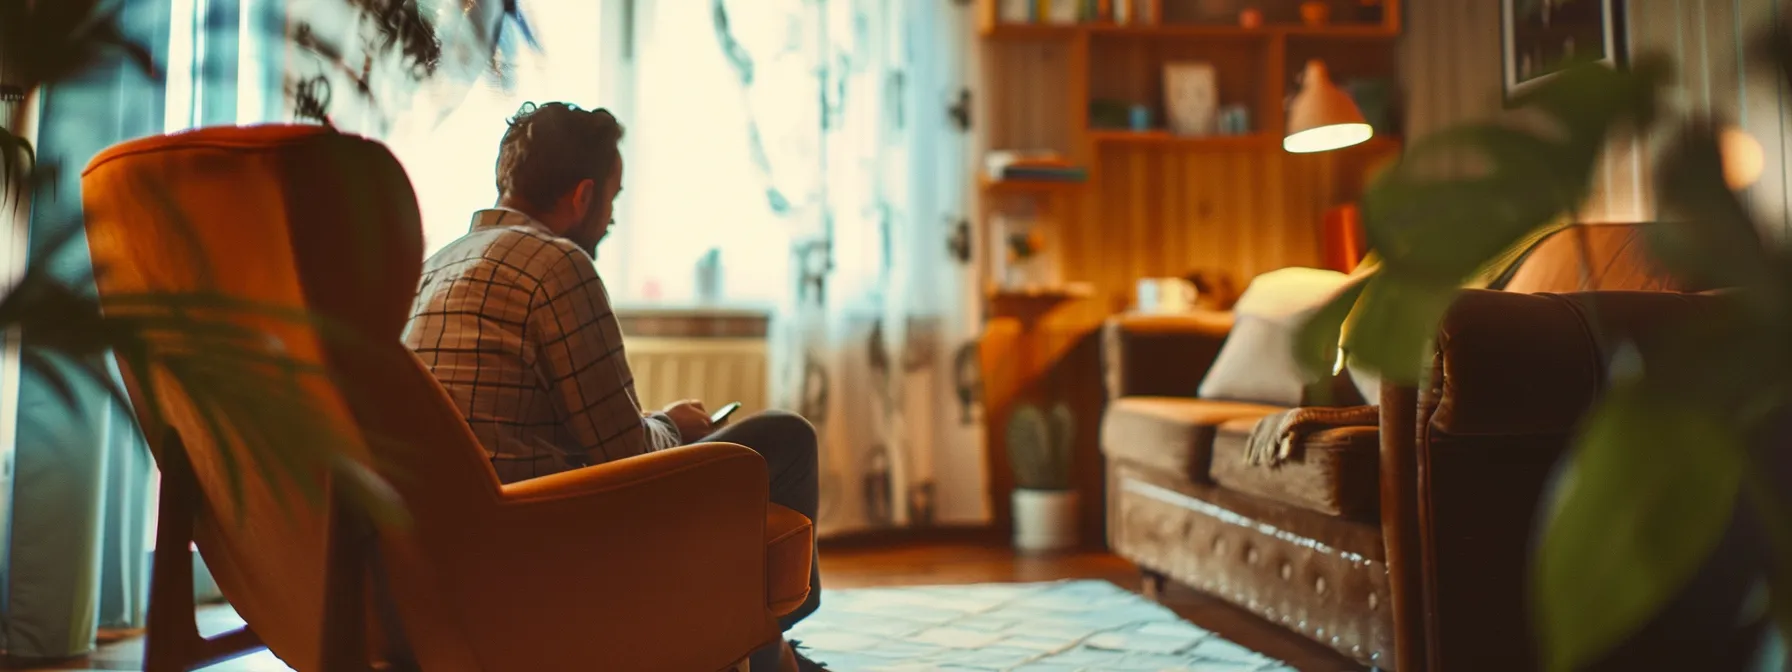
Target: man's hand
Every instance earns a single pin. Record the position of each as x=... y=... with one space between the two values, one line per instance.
x=690 y=419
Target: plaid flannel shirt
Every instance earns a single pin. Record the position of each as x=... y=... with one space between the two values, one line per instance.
x=515 y=323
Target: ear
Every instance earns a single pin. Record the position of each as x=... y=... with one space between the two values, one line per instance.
x=584 y=197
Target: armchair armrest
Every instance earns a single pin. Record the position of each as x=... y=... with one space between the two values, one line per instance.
x=648 y=563
x=1161 y=355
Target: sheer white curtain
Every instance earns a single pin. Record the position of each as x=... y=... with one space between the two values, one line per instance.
x=846 y=124
x=689 y=185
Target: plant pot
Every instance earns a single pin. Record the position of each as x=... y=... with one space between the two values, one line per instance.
x=1045 y=520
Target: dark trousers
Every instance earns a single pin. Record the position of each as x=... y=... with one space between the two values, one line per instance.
x=788 y=444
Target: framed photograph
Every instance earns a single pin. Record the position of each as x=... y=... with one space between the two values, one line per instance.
x=1540 y=38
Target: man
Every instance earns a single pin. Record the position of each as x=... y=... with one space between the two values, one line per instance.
x=515 y=323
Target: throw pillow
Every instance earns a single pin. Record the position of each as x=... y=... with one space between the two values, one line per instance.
x=1256 y=364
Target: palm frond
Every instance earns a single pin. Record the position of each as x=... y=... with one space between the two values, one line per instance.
x=250 y=393
x=216 y=352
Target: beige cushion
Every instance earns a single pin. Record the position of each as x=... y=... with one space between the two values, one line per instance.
x=1170 y=434
x=1257 y=362
x=1334 y=471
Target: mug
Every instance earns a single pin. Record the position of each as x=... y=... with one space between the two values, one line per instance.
x=1166 y=295
x=1140 y=118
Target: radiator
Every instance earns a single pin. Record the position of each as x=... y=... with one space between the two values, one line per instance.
x=715 y=370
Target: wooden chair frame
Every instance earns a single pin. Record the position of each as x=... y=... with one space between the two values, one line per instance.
x=173 y=640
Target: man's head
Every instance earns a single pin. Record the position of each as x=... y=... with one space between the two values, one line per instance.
x=561 y=165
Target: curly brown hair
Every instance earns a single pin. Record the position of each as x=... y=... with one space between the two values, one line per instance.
x=550 y=147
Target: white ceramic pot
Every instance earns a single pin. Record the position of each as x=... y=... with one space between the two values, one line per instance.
x=1045 y=520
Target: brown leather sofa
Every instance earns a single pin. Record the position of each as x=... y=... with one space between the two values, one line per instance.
x=1395 y=535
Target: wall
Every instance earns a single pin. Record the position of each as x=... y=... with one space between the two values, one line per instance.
x=1450 y=57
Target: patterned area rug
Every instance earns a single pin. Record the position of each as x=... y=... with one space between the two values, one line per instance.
x=1069 y=626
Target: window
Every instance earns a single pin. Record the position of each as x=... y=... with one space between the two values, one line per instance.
x=690 y=186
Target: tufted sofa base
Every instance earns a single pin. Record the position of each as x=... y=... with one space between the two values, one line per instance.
x=1321 y=576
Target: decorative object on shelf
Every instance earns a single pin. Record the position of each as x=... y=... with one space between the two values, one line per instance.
x=1315 y=12
x=1214 y=290
x=1107 y=113
x=1035 y=166
x=1369 y=11
x=1017 y=11
x=1140 y=118
x=1540 y=39
x=1045 y=506
x=1160 y=296
x=1191 y=97
x=1021 y=264
x=1250 y=17
x=1213 y=11
x=1235 y=119
x=1322 y=117
x=1060 y=11
x=1147 y=12
x=1125 y=11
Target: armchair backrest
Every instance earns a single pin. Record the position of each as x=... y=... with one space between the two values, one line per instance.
x=294 y=217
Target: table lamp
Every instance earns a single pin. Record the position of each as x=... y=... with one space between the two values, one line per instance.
x=1323 y=117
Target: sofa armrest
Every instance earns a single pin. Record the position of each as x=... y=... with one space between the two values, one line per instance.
x=651 y=562
x=1161 y=355
x=1509 y=364
x=1512 y=376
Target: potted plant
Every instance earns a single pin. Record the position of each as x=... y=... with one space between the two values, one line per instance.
x=194 y=341
x=1045 y=506
x=1635 y=515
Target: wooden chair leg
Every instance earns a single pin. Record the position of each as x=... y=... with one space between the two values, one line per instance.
x=350 y=537
x=173 y=643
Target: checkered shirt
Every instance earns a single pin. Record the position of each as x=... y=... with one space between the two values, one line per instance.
x=515 y=323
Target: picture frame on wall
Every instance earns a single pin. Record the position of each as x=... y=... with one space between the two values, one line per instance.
x=1539 y=38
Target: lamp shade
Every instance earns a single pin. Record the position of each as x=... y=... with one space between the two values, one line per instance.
x=1323 y=117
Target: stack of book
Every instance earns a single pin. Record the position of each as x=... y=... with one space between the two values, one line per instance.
x=1031 y=167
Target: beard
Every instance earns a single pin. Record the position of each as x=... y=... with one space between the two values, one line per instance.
x=591 y=232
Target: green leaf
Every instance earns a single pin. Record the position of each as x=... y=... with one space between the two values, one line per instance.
x=1447 y=227
x=1590 y=100
x=1393 y=325
x=1461 y=197
x=1316 y=342
x=1707 y=236
x=1648 y=491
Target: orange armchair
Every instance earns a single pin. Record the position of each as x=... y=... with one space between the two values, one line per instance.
x=669 y=561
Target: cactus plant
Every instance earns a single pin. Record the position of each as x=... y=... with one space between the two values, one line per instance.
x=1039 y=447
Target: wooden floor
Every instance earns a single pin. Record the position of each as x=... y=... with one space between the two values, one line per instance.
x=858 y=565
